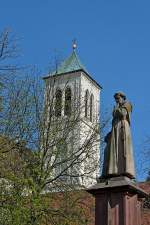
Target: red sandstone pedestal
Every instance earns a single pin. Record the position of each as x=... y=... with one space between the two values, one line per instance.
x=117 y=202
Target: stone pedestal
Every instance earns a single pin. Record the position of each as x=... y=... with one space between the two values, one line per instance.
x=117 y=202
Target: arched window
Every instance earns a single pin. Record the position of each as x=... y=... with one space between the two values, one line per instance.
x=67 y=110
x=58 y=103
x=91 y=107
x=86 y=103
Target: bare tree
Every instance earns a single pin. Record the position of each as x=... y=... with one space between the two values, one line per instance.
x=39 y=150
x=144 y=158
x=55 y=158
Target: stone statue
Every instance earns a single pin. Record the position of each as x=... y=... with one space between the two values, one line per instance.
x=118 y=155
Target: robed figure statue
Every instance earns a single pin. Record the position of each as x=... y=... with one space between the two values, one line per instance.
x=118 y=155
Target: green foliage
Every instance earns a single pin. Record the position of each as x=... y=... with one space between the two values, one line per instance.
x=27 y=178
x=24 y=202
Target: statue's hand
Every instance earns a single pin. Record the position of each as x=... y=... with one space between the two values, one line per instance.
x=121 y=113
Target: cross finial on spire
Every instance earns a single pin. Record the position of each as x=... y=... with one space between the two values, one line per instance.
x=74 y=45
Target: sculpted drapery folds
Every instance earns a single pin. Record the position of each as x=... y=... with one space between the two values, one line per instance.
x=118 y=156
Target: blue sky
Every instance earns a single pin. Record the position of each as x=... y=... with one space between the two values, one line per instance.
x=113 y=39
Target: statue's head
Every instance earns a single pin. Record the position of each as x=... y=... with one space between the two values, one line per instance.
x=119 y=97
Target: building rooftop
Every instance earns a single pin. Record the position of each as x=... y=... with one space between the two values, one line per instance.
x=71 y=64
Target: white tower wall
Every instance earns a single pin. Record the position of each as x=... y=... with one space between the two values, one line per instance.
x=80 y=82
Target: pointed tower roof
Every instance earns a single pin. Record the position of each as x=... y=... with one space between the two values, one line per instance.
x=71 y=64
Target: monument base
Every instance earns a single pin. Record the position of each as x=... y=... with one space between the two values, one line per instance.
x=118 y=201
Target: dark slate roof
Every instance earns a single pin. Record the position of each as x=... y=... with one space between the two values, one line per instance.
x=71 y=64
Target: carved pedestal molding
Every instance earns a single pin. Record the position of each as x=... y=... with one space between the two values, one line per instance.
x=118 y=201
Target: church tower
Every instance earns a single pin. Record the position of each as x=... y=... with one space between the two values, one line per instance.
x=75 y=101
